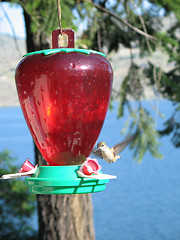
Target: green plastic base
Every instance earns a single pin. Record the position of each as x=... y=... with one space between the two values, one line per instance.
x=62 y=180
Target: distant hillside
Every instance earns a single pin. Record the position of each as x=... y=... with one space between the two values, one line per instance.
x=10 y=55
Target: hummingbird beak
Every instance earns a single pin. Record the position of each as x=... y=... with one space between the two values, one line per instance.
x=95 y=150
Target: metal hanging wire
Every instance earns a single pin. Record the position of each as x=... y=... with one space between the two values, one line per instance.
x=59 y=15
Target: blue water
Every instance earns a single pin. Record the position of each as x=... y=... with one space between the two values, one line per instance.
x=143 y=203
x=14 y=134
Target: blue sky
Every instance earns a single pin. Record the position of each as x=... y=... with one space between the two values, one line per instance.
x=15 y=14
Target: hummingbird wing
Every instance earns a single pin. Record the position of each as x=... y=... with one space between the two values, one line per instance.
x=122 y=145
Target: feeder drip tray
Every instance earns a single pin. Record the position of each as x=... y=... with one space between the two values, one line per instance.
x=63 y=180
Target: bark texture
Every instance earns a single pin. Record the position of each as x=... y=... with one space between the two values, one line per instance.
x=65 y=217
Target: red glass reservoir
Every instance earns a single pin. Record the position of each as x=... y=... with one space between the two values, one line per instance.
x=64 y=96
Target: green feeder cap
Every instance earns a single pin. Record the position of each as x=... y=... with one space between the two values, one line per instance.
x=65 y=50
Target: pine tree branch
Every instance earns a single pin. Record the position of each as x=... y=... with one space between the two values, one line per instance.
x=143 y=25
x=102 y=9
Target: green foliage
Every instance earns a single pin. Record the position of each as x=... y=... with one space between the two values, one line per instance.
x=43 y=14
x=17 y=205
x=172 y=125
x=170 y=6
x=170 y=44
x=168 y=85
x=109 y=32
x=146 y=135
x=131 y=88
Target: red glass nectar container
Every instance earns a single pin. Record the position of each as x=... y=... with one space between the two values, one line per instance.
x=64 y=95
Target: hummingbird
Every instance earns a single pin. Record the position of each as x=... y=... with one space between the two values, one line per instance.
x=110 y=155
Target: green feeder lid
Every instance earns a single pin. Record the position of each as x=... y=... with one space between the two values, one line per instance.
x=66 y=50
x=63 y=180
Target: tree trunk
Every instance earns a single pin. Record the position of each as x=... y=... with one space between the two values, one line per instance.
x=64 y=217
x=61 y=217
x=35 y=41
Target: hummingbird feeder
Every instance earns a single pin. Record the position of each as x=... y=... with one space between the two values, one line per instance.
x=64 y=95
